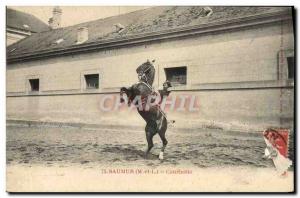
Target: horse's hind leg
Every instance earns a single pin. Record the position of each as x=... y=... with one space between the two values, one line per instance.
x=162 y=135
x=150 y=131
x=149 y=137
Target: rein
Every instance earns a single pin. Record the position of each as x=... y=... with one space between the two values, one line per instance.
x=151 y=88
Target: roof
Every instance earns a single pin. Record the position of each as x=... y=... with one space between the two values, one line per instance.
x=142 y=22
x=23 y=21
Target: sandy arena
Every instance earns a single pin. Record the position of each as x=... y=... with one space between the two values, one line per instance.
x=73 y=159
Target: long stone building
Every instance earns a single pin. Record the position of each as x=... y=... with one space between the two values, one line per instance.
x=238 y=62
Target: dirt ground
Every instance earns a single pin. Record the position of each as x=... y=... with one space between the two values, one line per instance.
x=205 y=148
x=220 y=161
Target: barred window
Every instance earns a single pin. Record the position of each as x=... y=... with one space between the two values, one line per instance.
x=286 y=62
x=92 y=81
x=290 y=61
x=176 y=75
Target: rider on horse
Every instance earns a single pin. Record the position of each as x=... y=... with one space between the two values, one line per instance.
x=146 y=74
x=156 y=122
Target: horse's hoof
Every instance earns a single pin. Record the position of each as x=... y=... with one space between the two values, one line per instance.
x=161 y=155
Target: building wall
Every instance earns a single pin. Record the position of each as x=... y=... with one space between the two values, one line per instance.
x=221 y=68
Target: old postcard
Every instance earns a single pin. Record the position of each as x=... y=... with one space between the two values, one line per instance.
x=150 y=99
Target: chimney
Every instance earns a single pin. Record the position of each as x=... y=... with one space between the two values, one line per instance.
x=82 y=35
x=55 y=20
x=208 y=11
x=119 y=27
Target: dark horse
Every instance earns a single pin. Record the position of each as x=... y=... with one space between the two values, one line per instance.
x=143 y=94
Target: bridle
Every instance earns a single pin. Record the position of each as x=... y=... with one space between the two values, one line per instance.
x=142 y=75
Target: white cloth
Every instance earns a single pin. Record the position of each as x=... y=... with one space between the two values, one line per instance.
x=281 y=163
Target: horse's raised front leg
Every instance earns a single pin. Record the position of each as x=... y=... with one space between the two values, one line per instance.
x=124 y=93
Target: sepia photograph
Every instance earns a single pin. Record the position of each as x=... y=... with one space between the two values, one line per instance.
x=165 y=99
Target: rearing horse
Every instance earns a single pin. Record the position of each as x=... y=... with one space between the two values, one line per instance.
x=153 y=115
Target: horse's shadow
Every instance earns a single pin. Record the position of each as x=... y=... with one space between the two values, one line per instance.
x=128 y=152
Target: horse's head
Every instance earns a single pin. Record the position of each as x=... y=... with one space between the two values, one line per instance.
x=146 y=72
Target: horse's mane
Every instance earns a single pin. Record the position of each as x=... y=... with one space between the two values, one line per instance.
x=141 y=88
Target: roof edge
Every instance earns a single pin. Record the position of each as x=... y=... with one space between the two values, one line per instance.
x=155 y=36
x=18 y=31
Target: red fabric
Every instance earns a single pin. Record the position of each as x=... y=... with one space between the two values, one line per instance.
x=279 y=139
